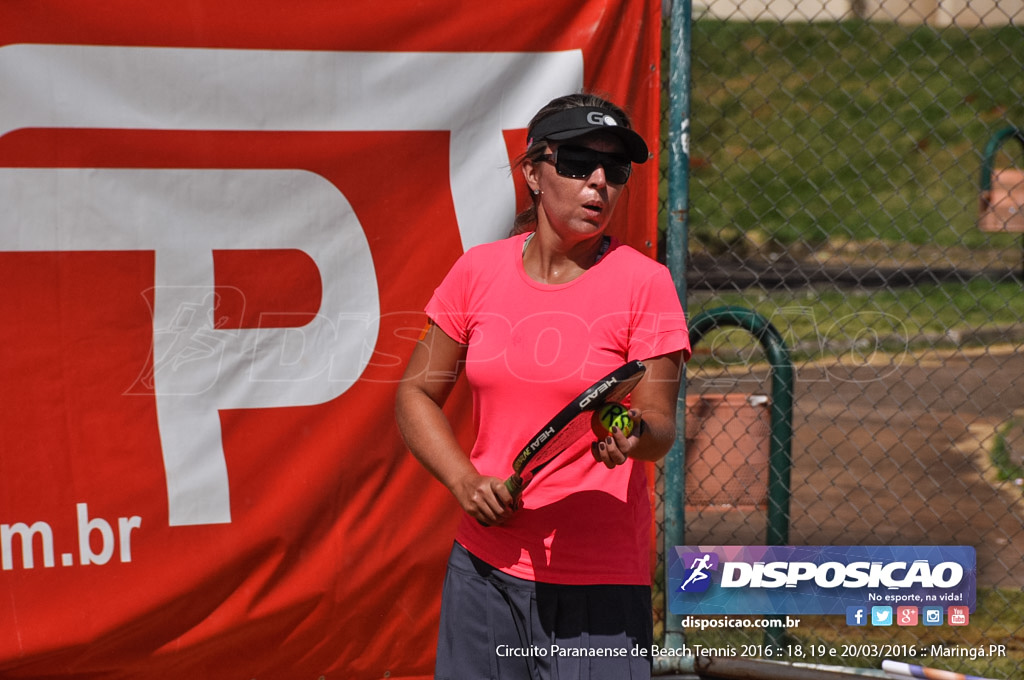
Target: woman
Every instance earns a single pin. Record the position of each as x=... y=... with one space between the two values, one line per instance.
x=558 y=584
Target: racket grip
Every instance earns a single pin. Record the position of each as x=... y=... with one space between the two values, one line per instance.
x=514 y=484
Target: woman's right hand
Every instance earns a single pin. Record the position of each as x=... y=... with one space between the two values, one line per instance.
x=485 y=499
x=435 y=364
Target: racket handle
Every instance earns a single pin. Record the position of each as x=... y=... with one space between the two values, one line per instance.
x=514 y=484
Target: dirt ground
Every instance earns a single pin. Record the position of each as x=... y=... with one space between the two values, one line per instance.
x=895 y=451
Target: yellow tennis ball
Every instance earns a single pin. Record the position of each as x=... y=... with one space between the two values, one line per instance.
x=612 y=414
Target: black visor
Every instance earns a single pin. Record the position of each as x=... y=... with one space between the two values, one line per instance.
x=582 y=120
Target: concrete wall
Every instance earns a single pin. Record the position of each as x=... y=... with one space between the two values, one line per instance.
x=774 y=10
x=966 y=13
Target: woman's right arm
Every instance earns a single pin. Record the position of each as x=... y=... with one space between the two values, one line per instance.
x=429 y=378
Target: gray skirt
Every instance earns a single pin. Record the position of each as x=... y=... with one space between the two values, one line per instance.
x=498 y=627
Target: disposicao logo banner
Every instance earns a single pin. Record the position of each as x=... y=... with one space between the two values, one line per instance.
x=817 y=579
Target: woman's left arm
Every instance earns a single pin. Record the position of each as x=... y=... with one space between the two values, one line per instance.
x=653 y=406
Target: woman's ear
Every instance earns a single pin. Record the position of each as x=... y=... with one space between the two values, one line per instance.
x=530 y=174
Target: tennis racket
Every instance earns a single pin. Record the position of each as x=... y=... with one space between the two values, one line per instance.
x=570 y=424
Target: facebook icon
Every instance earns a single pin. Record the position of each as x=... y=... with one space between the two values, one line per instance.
x=856 y=616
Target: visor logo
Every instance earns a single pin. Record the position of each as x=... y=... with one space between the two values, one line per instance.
x=598 y=118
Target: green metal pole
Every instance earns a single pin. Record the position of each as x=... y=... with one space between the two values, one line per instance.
x=780 y=456
x=676 y=246
x=988 y=166
x=677 y=235
x=989 y=157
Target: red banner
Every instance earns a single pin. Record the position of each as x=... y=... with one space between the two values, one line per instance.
x=221 y=221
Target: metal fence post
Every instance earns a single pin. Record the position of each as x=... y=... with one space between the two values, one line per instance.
x=676 y=246
x=994 y=144
x=988 y=167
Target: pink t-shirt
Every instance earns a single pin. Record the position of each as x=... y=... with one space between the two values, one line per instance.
x=531 y=348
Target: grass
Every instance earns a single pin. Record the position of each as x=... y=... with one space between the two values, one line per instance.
x=996 y=621
x=856 y=130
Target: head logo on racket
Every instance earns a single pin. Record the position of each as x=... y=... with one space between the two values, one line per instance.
x=569 y=424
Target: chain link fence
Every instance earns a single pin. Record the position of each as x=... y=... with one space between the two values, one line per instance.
x=837 y=156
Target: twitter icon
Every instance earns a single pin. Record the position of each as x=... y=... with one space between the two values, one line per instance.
x=881 y=616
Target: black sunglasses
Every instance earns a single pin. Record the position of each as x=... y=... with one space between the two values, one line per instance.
x=580 y=162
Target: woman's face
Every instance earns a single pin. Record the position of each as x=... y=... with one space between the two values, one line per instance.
x=578 y=207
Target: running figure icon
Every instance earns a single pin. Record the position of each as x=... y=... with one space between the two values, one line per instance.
x=698 y=571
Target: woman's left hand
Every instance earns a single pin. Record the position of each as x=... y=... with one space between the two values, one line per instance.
x=614 y=449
